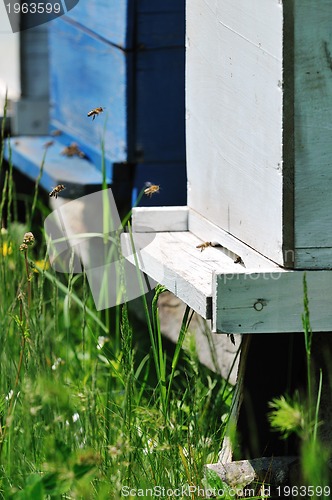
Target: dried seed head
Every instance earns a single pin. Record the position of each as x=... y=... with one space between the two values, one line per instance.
x=28 y=238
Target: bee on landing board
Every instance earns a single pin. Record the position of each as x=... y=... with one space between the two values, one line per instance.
x=55 y=133
x=207 y=244
x=238 y=260
x=95 y=112
x=72 y=150
x=204 y=245
x=55 y=191
x=151 y=189
x=231 y=337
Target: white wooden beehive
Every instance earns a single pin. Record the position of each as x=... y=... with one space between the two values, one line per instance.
x=259 y=168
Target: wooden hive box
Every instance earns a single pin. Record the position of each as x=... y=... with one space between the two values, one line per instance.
x=259 y=155
x=128 y=57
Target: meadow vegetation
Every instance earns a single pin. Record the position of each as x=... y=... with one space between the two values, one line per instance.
x=95 y=404
x=91 y=402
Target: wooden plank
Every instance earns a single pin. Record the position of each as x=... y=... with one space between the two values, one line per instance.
x=173 y=260
x=271 y=301
x=110 y=20
x=86 y=72
x=313 y=258
x=159 y=219
x=163 y=261
x=243 y=141
x=313 y=145
x=34 y=62
x=30 y=116
x=234 y=119
x=207 y=231
x=227 y=450
x=160 y=105
x=160 y=86
x=160 y=24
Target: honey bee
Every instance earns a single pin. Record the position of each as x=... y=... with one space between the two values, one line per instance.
x=95 y=112
x=72 y=150
x=238 y=260
x=231 y=337
x=204 y=245
x=151 y=189
x=55 y=191
x=207 y=244
x=55 y=133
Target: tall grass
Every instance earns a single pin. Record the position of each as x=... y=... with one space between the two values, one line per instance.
x=93 y=404
x=299 y=414
x=85 y=412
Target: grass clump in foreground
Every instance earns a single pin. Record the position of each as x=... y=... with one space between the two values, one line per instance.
x=299 y=415
x=84 y=412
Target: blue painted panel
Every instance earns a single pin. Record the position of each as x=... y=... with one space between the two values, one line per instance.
x=160 y=109
x=110 y=19
x=160 y=23
x=99 y=58
x=75 y=173
x=86 y=73
x=171 y=177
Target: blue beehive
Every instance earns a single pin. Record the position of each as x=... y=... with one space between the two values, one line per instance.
x=128 y=57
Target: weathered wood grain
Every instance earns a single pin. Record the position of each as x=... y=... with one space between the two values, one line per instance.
x=170 y=259
x=313 y=131
x=173 y=260
x=182 y=218
x=313 y=257
x=93 y=75
x=207 y=231
x=271 y=301
x=234 y=105
x=259 y=114
x=159 y=219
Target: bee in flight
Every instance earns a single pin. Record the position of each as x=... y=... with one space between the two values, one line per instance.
x=207 y=244
x=55 y=191
x=95 y=112
x=151 y=189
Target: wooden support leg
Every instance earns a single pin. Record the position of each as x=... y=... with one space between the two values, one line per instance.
x=271 y=366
